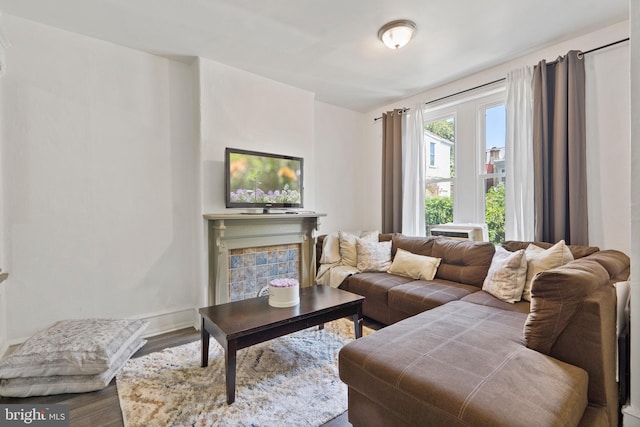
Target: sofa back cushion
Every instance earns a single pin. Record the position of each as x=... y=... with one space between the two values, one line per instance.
x=576 y=250
x=415 y=245
x=386 y=237
x=615 y=262
x=463 y=261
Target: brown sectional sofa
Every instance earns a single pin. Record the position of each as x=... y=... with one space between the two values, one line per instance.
x=455 y=355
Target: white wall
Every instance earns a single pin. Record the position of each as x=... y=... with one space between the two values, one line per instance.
x=3 y=264
x=339 y=155
x=632 y=412
x=99 y=160
x=242 y=110
x=616 y=237
x=608 y=145
x=113 y=155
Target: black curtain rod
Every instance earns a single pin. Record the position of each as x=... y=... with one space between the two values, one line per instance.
x=451 y=95
x=504 y=78
x=606 y=46
x=465 y=91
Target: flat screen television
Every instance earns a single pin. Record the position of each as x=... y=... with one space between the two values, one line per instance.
x=263 y=180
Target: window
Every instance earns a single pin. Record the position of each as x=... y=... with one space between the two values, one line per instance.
x=466 y=140
x=432 y=154
x=440 y=134
x=493 y=176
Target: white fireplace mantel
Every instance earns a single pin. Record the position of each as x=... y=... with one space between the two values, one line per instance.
x=238 y=231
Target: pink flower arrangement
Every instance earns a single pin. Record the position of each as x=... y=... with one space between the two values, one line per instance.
x=283 y=283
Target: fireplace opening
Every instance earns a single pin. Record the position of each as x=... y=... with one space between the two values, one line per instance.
x=251 y=269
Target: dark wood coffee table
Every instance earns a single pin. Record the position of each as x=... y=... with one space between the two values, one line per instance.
x=241 y=324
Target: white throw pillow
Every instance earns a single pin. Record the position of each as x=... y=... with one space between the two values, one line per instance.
x=373 y=256
x=539 y=259
x=348 y=250
x=330 y=249
x=507 y=275
x=371 y=235
x=415 y=266
x=73 y=347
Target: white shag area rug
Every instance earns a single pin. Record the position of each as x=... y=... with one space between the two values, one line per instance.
x=289 y=381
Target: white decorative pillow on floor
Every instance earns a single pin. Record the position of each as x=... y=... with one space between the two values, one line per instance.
x=73 y=347
x=507 y=275
x=58 y=384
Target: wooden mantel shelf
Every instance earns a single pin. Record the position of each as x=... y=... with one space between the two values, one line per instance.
x=261 y=216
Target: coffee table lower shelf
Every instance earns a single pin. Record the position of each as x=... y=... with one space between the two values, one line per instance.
x=240 y=324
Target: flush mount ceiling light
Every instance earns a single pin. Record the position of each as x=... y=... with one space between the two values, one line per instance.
x=396 y=34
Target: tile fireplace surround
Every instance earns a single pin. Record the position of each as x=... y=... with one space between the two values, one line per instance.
x=232 y=236
x=251 y=269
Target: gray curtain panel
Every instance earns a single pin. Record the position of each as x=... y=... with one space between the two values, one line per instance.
x=392 y=171
x=559 y=147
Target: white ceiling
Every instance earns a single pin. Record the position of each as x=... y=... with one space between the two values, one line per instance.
x=330 y=47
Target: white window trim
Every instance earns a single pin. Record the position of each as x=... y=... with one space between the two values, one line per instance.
x=493 y=100
x=468 y=165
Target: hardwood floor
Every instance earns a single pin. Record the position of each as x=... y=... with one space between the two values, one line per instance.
x=102 y=408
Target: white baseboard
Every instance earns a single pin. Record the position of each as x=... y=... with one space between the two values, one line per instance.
x=163 y=322
x=631 y=416
x=159 y=323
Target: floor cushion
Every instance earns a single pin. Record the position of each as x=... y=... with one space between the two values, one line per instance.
x=87 y=351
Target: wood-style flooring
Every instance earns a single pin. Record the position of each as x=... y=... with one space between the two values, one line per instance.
x=102 y=408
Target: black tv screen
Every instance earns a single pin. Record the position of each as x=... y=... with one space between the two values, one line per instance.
x=263 y=180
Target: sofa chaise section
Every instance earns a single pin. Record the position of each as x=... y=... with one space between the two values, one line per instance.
x=461 y=364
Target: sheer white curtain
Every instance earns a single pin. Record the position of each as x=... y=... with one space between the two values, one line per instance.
x=519 y=208
x=413 y=171
x=4 y=43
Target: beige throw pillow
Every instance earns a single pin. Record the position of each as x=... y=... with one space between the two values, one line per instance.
x=415 y=266
x=330 y=249
x=507 y=275
x=373 y=256
x=348 y=250
x=539 y=260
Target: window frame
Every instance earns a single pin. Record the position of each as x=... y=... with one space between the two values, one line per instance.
x=469 y=145
x=444 y=114
x=432 y=154
x=482 y=144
